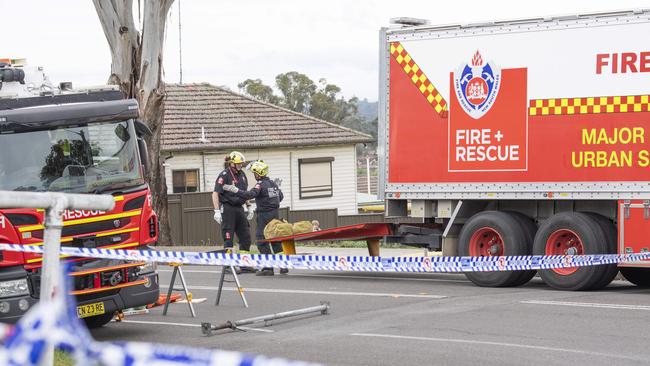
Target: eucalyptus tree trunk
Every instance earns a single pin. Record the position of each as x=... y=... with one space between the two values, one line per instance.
x=136 y=66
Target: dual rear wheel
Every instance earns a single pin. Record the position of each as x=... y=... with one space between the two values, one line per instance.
x=496 y=233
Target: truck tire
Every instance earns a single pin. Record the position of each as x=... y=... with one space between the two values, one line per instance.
x=609 y=270
x=530 y=229
x=493 y=233
x=98 y=320
x=638 y=276
x=571 y=233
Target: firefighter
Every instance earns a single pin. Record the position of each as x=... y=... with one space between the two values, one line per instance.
x=230 y=210
x=267 y=197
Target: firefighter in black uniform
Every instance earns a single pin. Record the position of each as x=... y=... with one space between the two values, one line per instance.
x=230 y=210
x=267 y=196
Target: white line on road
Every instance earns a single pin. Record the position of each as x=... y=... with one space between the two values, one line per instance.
x=587 y=305
x=501 y=344
x=311 y=292
x=190 y=325
x=160 y=323
x=337 y=276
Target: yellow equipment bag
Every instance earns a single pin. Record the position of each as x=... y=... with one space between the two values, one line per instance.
x=302 y=227
x=277 y=228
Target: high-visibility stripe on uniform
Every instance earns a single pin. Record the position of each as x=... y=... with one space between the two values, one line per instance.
x=419 y=79
x=589 y=105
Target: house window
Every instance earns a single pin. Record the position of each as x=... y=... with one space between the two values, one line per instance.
x=315 y=177
x=185 y=180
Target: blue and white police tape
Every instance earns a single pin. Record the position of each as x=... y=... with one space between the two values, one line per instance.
x=349 y=263
x=55 y=324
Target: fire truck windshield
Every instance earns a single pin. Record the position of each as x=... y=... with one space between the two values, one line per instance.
x=87 y=159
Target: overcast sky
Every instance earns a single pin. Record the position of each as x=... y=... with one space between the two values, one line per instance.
x=227 y=41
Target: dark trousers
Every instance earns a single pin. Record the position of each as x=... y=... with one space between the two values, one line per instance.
x=234 y=222
x=263 y=218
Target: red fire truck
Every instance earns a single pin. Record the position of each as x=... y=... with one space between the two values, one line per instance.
x=522 y=137
x=74 y=142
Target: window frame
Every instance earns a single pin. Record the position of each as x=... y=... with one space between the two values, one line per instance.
x=315 y=161
x=184 y=171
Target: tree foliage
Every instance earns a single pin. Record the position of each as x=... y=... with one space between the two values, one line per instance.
x=320 y=100
x=260 y=91
x=297 y=90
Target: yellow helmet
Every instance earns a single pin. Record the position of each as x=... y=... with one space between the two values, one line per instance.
x=236 y=157
x=260 y=168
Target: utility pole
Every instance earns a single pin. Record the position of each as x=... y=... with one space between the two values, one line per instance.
x=180 y=46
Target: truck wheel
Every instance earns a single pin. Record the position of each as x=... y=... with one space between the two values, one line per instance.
x=572 y=233
x=638 y=276
x=98 y=320
x=609 y=271
x=489 y=234
x=529 y=228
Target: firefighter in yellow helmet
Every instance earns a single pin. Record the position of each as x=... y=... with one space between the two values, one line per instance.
x=231 y=210
x=267 y=197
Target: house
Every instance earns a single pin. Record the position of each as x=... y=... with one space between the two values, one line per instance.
x=312 y=160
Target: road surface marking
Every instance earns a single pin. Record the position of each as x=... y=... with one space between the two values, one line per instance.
x=501 y=344
x=310 y=292
x=587 y=305
x=337 y=276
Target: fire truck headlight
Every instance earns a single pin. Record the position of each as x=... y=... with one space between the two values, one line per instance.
x=147 y=268
x=14 y=288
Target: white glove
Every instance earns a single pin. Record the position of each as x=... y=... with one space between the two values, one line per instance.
x=251 y=212
x=230 y=188
x=217 y=217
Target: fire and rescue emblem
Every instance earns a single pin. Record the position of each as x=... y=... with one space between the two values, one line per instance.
x=477 y=86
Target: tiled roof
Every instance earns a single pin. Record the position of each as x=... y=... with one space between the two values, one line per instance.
x=231 y=120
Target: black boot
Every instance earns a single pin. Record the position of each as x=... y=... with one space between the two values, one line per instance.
x=227 y=269
x=265 y=272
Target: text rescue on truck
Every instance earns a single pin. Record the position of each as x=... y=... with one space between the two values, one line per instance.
x=88 y=147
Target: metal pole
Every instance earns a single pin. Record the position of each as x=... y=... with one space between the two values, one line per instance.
x=188 y=295
x=221 y=280
x=171 y=288
x=368 y=172
x=51 y=249
x=208 y=328
x=54 y=205
x=51 y=270
x=239 y=288
x=11 y=199
x=180 y=46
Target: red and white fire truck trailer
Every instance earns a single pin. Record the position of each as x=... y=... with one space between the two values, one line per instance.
x=522 y=137
x=59 y=140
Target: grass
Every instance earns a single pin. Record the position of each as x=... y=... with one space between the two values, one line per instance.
x=348 y=244
x=62 y=359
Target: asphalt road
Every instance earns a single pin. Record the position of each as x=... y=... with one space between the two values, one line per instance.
x=406 y=319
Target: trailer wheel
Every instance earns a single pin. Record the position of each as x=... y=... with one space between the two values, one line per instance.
x=638 y=276
x=529 y=228
x=493 y=233
x=98 y=320
x=571 y=233
x=609 y=271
